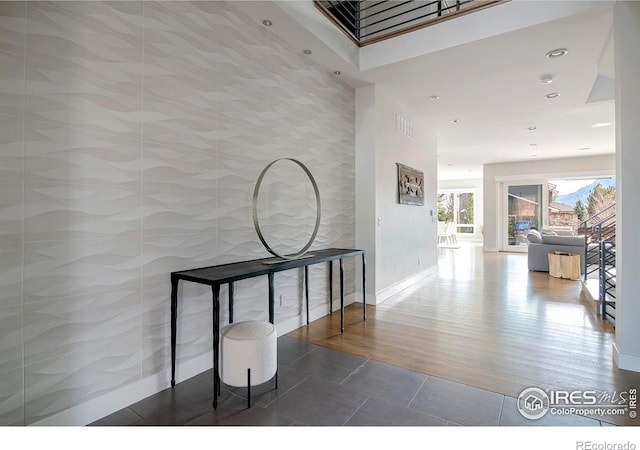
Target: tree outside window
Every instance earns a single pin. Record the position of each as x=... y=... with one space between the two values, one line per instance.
x=464 y=213
x=459 y=209
x=599 y=199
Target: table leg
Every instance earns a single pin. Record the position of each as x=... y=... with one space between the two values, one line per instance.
x=306 y=289
x=216 y=342
x=271 y=297
x=341 y=295
x=364 y=287
x=231 y=302
x=330 y=286
x=174 y=324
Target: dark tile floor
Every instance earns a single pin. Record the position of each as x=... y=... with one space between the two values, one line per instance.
x=319 y=386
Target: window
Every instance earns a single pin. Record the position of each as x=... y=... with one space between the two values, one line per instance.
x=458 y=207
x=464 y=213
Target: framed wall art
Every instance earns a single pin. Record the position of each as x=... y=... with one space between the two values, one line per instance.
x=410 y=185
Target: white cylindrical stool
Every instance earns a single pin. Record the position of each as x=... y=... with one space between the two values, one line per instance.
x=248 y=354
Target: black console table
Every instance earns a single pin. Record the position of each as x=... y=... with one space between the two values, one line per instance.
x=215 y=276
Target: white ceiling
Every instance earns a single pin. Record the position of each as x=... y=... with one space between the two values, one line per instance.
x=491 y=86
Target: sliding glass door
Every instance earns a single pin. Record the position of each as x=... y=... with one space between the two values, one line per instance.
x=524 y=212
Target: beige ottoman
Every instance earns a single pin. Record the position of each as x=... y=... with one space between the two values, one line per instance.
x=248 y=354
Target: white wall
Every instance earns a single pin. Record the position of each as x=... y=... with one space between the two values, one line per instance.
x=627 y=72
x=366 y=183
x=476 y=186
x=542 y=169
x=404 y=235
x=131 y=136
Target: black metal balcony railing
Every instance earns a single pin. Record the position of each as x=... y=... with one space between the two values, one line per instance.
x=369 y=21
x=600 y=257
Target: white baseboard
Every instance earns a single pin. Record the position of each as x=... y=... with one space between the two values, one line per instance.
x=118 y=399
x=625 y=362
x=100 y=407
x=396 y=288
x=320 y=311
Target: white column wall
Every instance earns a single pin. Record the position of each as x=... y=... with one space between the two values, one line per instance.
x=405 y=234
x=366 y=183
x=400 y=240
x=627 y=72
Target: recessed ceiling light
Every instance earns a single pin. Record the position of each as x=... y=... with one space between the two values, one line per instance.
x=434 y=97
x=531 y=128
x=557 y=53
x=449 y=165
x=532 y=145
x=534 y=156
x=584 y=148
x=306 y=52
x=267 y=23
x=601 y=125
x=336 y=72
x=546 y=79
x=552 y=95
x=454 y=121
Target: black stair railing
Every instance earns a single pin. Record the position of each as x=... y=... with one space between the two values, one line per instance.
x=596 y=228
x=607 y=279
x=369 y=21
x=600 y=256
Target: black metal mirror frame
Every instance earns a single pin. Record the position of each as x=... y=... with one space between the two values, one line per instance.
x=256 y=224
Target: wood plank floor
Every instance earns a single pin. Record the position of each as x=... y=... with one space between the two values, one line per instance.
x=486 y=321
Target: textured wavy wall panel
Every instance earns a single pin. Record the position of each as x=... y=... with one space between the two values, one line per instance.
x=12 y=86
x=58 y=383
x=175 y=124
x=11 y=140
x=10 y=210
x=55 y=269
x=55 y=327
x=12 y=395
x=10 y=348
x=55 y=211
x=10 y=274
x=178 y=168
x=131 y=136
x=163 y=255
x=57 y=154
x=12 y=55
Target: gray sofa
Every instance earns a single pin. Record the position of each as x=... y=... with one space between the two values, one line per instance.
x=540 y=245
